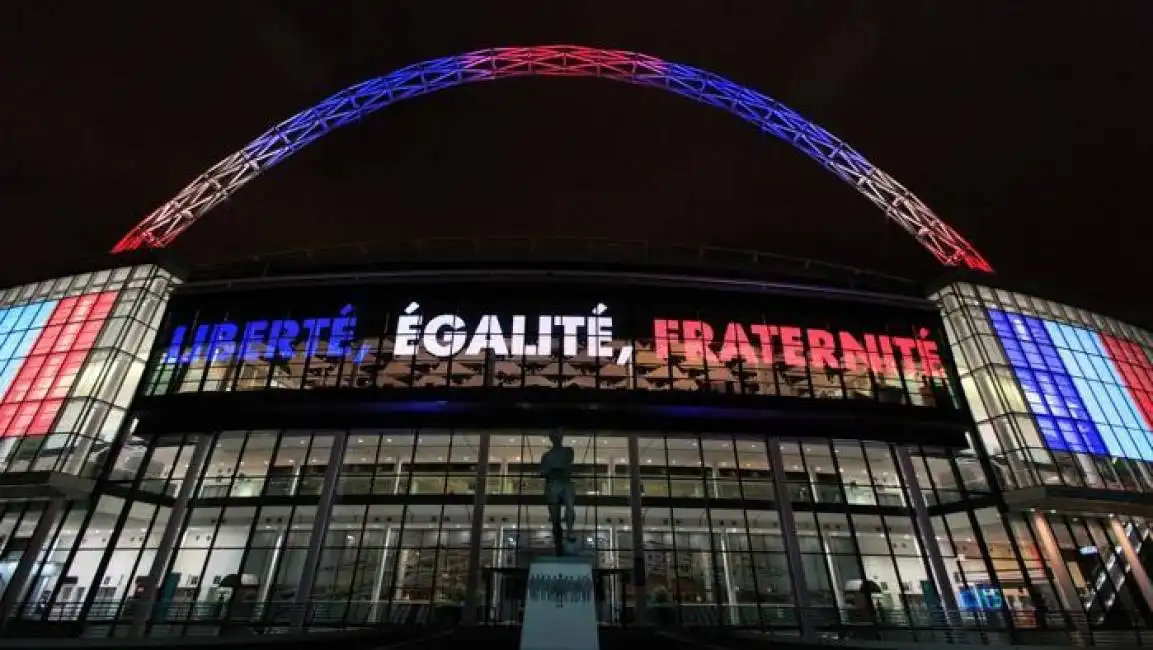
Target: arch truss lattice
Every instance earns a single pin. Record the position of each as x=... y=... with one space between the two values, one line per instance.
x=215 y=185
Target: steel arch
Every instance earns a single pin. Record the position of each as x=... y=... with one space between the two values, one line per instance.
x=160 y=228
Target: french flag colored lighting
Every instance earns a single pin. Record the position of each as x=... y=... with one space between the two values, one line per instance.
x=1088 y=392
x=352 y=104
x=43 y=346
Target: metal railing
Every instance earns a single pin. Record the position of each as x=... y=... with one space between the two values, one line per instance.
x=742 y=624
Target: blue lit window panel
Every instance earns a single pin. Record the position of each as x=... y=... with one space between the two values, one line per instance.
x=8 y=320
x=1103 y=391
x=1050 y=388
x=1119 y=443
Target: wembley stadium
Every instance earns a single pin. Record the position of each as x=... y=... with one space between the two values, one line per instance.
x=349 y=437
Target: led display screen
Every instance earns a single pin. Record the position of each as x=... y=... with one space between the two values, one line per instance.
x=1089 y=392
x=546 y=335
x=43 y=346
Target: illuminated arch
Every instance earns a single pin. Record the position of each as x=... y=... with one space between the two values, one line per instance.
x=160 y=228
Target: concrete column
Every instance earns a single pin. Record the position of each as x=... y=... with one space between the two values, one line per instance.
x=472 y=584
x=789 y=537
x=302 y=601
x=143 y=609
x=18 y=583
x=1136 y=569
x=1066 y=590
x=637 y=520
x=925 y=525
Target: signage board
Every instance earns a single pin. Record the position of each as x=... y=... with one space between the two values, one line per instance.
x=560 y=610
x=445 y=336
x=651 y=338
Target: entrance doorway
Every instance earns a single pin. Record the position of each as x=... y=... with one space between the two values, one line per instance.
x=505 y=589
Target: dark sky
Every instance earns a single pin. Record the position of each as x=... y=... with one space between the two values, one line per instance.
x=1025 y=125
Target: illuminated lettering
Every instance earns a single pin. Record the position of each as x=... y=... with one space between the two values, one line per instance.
x=315 y=327
x=408 y=332
x=543 y=345
x=521 y=336
x=488 y=336
x=600 y=333
x=437 y=343
x=268 y=340
x=853 y=354
x=223 y=342
x=930 y=359
x=447 y=335
x=765 y=334
x=880 y=354
x=516 y=343
x=792 y=349
x=906 y=346
x=664 y=331
x=176 y=345
x=736 y=345
x=281 y=336
x=698 y=340
x=823 y=349
x=341 y=335
x=253 y=337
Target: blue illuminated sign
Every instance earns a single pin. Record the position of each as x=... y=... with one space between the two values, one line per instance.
x=268 y=340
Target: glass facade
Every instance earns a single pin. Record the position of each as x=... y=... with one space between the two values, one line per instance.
x=72 y=352
x=773 y=525
x=401 y=534
x=1060 y=395
x=1061 y=398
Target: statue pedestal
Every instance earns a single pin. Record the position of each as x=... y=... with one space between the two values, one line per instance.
x=560 y=611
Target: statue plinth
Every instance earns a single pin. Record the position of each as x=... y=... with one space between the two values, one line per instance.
x=560 y=610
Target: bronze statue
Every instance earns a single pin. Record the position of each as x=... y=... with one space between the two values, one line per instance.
x=556 y=468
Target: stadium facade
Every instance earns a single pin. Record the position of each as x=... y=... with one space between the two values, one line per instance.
x=319 y=447
x=337 y=448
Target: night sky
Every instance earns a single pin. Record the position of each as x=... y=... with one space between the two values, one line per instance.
x=1025 y=125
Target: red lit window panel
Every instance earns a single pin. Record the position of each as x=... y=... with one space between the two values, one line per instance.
x=68 y=373
x=42 y=422
x=86 y=338
x=23 y=382
x=7 y=413
x=25 y=413
x=103 y=307
x=1136 y=370
x=84 y=306
x=46 y=377
x=67 y=338
x=47 y=339
x=39 y=389
x=63 y=310
x=56 y=357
